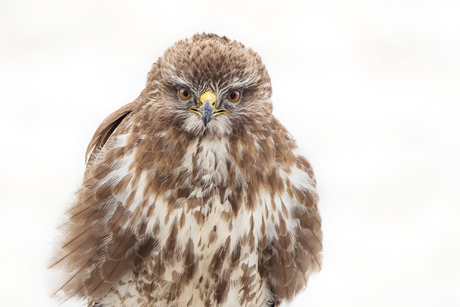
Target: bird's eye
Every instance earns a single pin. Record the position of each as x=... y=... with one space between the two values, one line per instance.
x=184 y=94
x=233 y=96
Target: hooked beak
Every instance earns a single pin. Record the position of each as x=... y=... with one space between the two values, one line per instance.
x=207 y=110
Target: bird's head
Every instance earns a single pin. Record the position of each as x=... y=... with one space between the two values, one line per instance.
x=210 y=85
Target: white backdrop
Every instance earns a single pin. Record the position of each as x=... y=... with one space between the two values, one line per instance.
x=370 y=89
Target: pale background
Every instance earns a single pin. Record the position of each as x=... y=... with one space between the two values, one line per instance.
x=370 y=89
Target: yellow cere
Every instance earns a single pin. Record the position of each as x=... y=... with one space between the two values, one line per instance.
x=208 y=96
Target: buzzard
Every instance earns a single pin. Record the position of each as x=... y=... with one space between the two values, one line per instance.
x=193 y=194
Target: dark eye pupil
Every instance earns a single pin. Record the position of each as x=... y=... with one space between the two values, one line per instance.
x=185 y=93
x=232 y=95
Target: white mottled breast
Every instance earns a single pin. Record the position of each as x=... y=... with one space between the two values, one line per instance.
x=213 y=232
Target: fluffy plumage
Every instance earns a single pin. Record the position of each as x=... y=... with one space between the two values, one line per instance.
x=173 y=212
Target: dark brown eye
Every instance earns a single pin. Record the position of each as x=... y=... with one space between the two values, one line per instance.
x=233 y=96
x=184 y=93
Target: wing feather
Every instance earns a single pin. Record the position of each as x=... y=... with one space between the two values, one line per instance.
x=98 y=249
x=106 y=129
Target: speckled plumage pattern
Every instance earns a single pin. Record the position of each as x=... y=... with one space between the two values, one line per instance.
x=175 y=213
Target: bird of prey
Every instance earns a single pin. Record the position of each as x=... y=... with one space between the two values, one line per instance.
x=193 y=194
